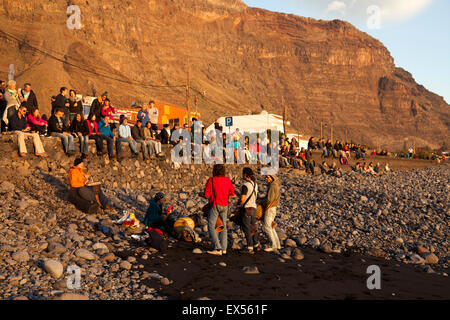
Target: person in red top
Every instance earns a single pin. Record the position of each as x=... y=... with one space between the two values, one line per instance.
x=218 y=190
x=94 y=134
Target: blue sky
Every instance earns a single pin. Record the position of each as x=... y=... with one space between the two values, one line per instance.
x=416 y=32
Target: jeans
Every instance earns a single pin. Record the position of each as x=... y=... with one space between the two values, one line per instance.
x=67 y=140
x=131 y=143
x=145 y=147
x=84 y=144
x=214 y=213
x=249 y=220
x=98 y=142
x=156 y=147
x=269 y=217
x=110 y=144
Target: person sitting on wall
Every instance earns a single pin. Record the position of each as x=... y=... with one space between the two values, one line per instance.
x=86 y=197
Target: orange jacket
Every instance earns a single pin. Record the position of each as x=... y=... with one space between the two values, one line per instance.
x=77 y=177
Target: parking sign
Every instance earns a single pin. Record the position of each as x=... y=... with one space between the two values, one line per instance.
x=229 y=121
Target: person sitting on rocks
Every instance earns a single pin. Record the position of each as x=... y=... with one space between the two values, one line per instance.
x=387 y=168
x=335 y=171
x=138 y=135
x=165 y=135
x=58 y=128
x=79 y=128
x=105 y=130
x=324 y=168
x=18 y=125
x=368 y=169
x=125 y=136
x=94 y=134
x=36 y=123
x=270 y=204
x=155 y=216
x=377 y=169
x=358 y=168
x=155 y=143
x=81 y=195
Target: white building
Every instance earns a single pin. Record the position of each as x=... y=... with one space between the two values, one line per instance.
x=250 y=123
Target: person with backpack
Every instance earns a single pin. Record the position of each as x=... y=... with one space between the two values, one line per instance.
x=271 y=202
x=218 y=190
x=249 y=194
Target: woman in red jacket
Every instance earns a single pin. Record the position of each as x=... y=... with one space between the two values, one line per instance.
x=94 y=134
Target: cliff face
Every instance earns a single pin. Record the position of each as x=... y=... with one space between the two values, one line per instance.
x=242 y=57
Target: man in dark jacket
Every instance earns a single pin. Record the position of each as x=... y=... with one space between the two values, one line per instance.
x=165 y=135
x=29 y=98
x=57 y=128
x=137 y=132
x=18 y=124
x=96 y=107
x=61 y=100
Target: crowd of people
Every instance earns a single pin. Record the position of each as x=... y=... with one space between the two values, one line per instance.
x=219 y=191
x=20 y=115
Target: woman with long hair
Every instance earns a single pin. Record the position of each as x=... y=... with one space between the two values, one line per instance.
x=79 y=128
x=36 y=123
x=218 y=190
x=94 y=134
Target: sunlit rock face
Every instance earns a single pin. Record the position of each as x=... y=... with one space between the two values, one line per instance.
x=242 y=57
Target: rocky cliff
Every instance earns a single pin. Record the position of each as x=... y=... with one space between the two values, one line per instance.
x=242 y=57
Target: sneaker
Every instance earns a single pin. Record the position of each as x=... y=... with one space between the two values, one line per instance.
x=269 y=249
x=215 y=252
x=224 y=252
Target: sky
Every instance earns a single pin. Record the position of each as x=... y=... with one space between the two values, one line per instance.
x=416 y=32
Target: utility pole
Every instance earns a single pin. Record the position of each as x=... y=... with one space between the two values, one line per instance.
x=284 y=114
x=188 y=96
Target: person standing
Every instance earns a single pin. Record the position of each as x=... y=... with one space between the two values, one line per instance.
x=154 y=115
x=218 y=190
x=143 y=116
x=29 y=97
x=97 y=105
x=18 y=124
x=75 y=105
x=61 y=100
x=249 y=194
x=271 y=203
x=13 y=101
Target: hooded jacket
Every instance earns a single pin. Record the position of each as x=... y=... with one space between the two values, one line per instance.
x=153 y=214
